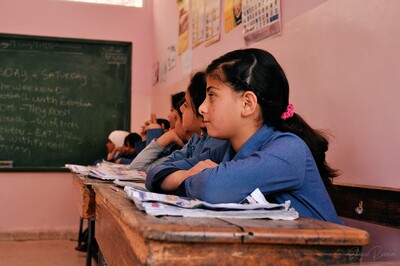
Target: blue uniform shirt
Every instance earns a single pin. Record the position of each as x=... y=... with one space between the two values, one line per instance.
x=279 y=164
x=194 y=147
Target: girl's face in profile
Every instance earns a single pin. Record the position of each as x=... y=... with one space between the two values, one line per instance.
x=180 y=131
x=221 y=110
x=172 y=117
x=190 y=122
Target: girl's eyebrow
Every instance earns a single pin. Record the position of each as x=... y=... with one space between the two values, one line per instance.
x=209 y=88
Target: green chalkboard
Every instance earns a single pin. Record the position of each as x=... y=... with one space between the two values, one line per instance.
x=60 y=98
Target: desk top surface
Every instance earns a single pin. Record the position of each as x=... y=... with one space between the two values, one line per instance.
x=303 y=231
x=85 y=180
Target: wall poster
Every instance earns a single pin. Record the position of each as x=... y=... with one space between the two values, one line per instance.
x=198 y=25
x=232 y=14
x=213 y=21
x=171 y=61
x=261 y=19
x=183 y=35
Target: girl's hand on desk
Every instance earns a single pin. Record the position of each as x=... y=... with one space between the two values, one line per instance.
x=200 y=166
x=173 y=181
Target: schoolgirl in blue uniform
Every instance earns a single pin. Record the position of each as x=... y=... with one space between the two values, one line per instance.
x=200 y=142
x=192 y=120
x=271 y=147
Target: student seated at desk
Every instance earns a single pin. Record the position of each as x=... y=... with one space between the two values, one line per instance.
x=271 y=147
x=128 y=152
x=150 y=130
x=159 y=148
x=115 y=140
x=156 y=127
x=174 y=112
x=191 y=124
x=192 y=121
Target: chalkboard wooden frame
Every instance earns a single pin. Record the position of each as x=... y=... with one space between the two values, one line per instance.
x=60 y=98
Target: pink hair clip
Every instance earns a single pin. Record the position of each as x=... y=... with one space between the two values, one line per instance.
x=289 y=112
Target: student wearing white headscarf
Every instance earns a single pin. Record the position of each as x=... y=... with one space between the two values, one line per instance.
x=115 y=143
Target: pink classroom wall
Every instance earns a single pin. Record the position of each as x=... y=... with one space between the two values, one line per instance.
x=36 y=201
x=342 y=61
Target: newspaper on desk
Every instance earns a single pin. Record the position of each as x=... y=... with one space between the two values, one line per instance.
x=256 y=206
x=79 y=169
x=122 y=183
x=117 y=173
x=108 y=171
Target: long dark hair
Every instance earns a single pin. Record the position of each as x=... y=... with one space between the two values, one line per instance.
x=197 y=91
x=176 y=102
x=131 y=139
x=258 y=71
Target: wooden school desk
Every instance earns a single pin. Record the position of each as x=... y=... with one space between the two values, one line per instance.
x=128 y=236
x=85 y=200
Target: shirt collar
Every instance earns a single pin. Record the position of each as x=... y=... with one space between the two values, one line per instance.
x=254 y=143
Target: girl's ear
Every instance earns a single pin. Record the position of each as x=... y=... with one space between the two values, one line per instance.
x=249 y=103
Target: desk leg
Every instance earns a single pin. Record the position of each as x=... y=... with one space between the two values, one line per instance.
x=80 y=231
x=101 y=261
x=90 y=241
